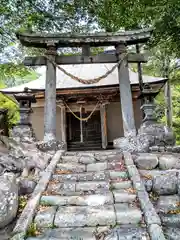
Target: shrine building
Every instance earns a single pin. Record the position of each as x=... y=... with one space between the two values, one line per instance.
x=86 y=115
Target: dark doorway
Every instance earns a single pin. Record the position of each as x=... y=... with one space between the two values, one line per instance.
x=91 y=131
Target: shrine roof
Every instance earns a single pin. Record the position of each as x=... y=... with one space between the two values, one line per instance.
x=85 y=71
x=41 y=39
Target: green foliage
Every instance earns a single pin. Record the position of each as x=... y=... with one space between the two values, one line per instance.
x=13 y=110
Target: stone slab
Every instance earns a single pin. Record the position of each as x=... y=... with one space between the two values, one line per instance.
x=166 y=184
x=85 y=216
x=87 y=160
x=87 y=176
x=70 y=233
x=147 y=161
x=132 y=232
x=172 y=220
x=118 y=174
x=125 y=214
x=121 y=185
x=88 y=200
x=71 y=167
x=122 y=196
x=69 y=159
x=150 y=215
x=93 y=185
x=168 y=203
x=45 y=217
x=96 y=167
x=58 y=187
x=172 y=233
x=156 y=232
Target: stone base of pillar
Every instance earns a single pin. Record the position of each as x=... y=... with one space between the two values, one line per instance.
x=149 y=135
x=51 y=145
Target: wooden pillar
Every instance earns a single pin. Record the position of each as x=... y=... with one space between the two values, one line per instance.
x=168 y=101
x=63 y=123
x=125 y=94
x=103 y=114
x=50 y=96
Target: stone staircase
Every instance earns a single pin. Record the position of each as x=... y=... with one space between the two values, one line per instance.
x=94 y=196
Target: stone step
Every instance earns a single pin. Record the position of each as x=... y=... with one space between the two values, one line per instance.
x=92 y=167
x=123 y=196
x=67 y=234
x=128 y=232
x=87 y=200
x=91 y=176
x=127 y=214
x=78 y=186
x=120 y=185
x=120 y=233
x=87 y=176
x=73 y=216
x=70 y=168
x=85 y=159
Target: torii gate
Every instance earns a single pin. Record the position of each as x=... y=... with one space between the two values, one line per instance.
x=51 y=42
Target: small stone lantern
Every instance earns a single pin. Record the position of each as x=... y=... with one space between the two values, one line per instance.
x=148 y=94
x=24 y=126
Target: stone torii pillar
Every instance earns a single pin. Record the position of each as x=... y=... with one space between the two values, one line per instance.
x=125 y=93
x=50 y=95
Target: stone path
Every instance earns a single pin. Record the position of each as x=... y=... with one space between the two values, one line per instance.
x=95 y=196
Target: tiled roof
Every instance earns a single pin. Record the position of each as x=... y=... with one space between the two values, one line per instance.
x=85 y=71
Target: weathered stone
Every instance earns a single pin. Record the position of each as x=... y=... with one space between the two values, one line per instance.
x=147 y=184
x=87 y=200
x=45 y=217
x=154 y=173
x=146 y=161
x=118 y=174
x=121 y=185
x=149 y=134
x=165 y=184
x=172 y=233
x=172 y=220
x=58 y=187
x=70 y=167
x=87 y=160
x=129 y=232
x=85 y=216
x=87 y=176
x=50 y=145
x=26 y=186
x=123 y=196
x=95 y=167
x=8 y=199
x=168 y=203
x=150 y=214
x=69 y=159
x=168 y=161
x=127 y=215
x=86 y=186
x=69 y=234
x=156 y=232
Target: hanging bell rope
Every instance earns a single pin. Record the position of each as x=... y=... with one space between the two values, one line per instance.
x=83 y=119
x=88 y=81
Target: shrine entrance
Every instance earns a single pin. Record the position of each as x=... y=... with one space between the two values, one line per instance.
x=85 y=135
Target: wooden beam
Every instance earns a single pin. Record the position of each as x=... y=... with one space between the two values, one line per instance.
x=41 y=40
x=100 y=58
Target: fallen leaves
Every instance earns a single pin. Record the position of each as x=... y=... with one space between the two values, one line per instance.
x=130 y=190
x=62 y=171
